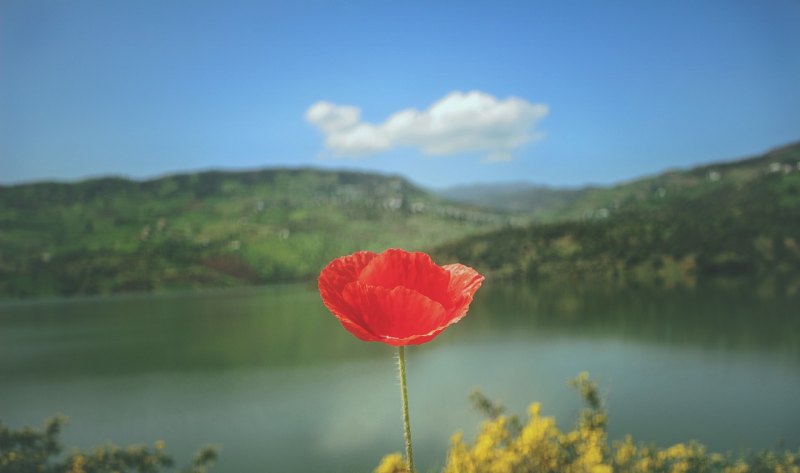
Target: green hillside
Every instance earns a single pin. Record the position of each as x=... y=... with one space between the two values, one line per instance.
x=549 y=204
x=215 y=229
x=739 y=219
x=211 y=229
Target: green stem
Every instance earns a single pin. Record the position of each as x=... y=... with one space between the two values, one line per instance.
x=401 y=364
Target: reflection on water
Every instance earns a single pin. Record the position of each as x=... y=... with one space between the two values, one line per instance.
x=270 y=376
x=724 y=318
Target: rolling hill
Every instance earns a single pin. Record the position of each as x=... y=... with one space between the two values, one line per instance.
x=552 y=204
x=738 y=219
x=211 y=229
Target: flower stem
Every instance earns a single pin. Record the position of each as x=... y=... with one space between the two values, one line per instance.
x=401 y=364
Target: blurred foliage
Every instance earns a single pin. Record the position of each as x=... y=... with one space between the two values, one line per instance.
x=211 y=229
x=505 y=445
x=743 y=221
x=30 y=450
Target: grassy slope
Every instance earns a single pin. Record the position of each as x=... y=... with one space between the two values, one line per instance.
x=671 y=228
x=210 y=229
x=546 y=204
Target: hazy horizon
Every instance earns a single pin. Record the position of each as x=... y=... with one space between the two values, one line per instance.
x=436 y=188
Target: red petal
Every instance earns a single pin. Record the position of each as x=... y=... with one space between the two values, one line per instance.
x=464 y=282
x=415 y=271
x=332 y=281
x=398 y=316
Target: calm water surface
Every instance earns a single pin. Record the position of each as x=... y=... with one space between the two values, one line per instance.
x=269 y=376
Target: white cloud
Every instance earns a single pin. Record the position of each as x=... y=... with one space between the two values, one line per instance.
x=458 y=123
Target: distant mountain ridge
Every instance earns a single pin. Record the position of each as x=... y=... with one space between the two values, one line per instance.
x=549 y=204
x=537 y=201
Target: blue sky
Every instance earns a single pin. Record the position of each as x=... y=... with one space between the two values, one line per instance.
x=145 y=88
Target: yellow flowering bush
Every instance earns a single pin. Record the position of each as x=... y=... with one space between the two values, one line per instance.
x=32 y=450
x=392 y=463
x=505 y=445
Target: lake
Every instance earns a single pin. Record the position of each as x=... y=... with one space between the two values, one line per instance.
x=270 y=376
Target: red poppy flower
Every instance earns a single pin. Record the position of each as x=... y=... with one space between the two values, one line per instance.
x=397 y=297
